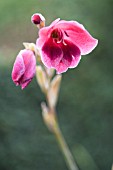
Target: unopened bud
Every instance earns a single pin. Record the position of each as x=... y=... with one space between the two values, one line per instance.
x=54 y=90
x=41 y=78
x=38 y=20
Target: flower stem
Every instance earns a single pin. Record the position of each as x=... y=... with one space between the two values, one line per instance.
x=50 y=116
x=64 y=148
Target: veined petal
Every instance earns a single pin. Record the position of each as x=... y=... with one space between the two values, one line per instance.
x=79 y=36
x=30 y=64
x=61 y=67
x=75 y=54
x=51 y=54
x=84 y=41
x=72 y=54
x=71 y=57
x=18 y=69
x=70 y=25
x=43 y=36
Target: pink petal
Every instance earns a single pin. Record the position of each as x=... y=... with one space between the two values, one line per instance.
x=78 y=35
x=30 y=64
x=51 y=53
x=72 y=54
x=61 y=68
x=71 y=57
x=43 y=36
x=24 y=84
x=70 y=25
x=75 y=61
x=54 y=22
x=18 y=68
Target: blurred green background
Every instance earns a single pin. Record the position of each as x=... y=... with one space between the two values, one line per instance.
x=85 y=107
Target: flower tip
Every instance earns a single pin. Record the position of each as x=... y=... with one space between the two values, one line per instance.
x=38 y=19
x=23 y=87
x=96 y=43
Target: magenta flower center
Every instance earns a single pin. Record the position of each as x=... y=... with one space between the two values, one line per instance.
x=57 y=35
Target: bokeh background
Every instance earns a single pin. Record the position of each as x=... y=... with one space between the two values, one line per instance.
x=85 y=106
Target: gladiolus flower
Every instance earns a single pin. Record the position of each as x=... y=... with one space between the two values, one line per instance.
x=62 y=43
x=24 y=68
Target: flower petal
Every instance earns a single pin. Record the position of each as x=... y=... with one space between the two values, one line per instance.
x=61 y=68
x=30 y=65
x=70 y=25
x=24 y=84
x=78 y=35
x=18 y=69
x=51 y=54
x=43 y=36
x=72 y=54
x=55 y=22
x=71 y=57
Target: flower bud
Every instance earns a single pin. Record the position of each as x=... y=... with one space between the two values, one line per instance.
x=53 y=90
x=41 y=78
x=38 y=19
x=24 y=68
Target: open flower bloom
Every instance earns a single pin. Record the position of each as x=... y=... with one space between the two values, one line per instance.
x=24 y=68
x=62 y=43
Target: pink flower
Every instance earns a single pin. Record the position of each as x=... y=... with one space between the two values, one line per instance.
x=24 y=68
x=62 y=43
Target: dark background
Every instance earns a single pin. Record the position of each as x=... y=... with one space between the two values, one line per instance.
x=85 y=106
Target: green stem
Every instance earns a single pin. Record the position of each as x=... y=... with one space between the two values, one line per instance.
x=65 y=149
